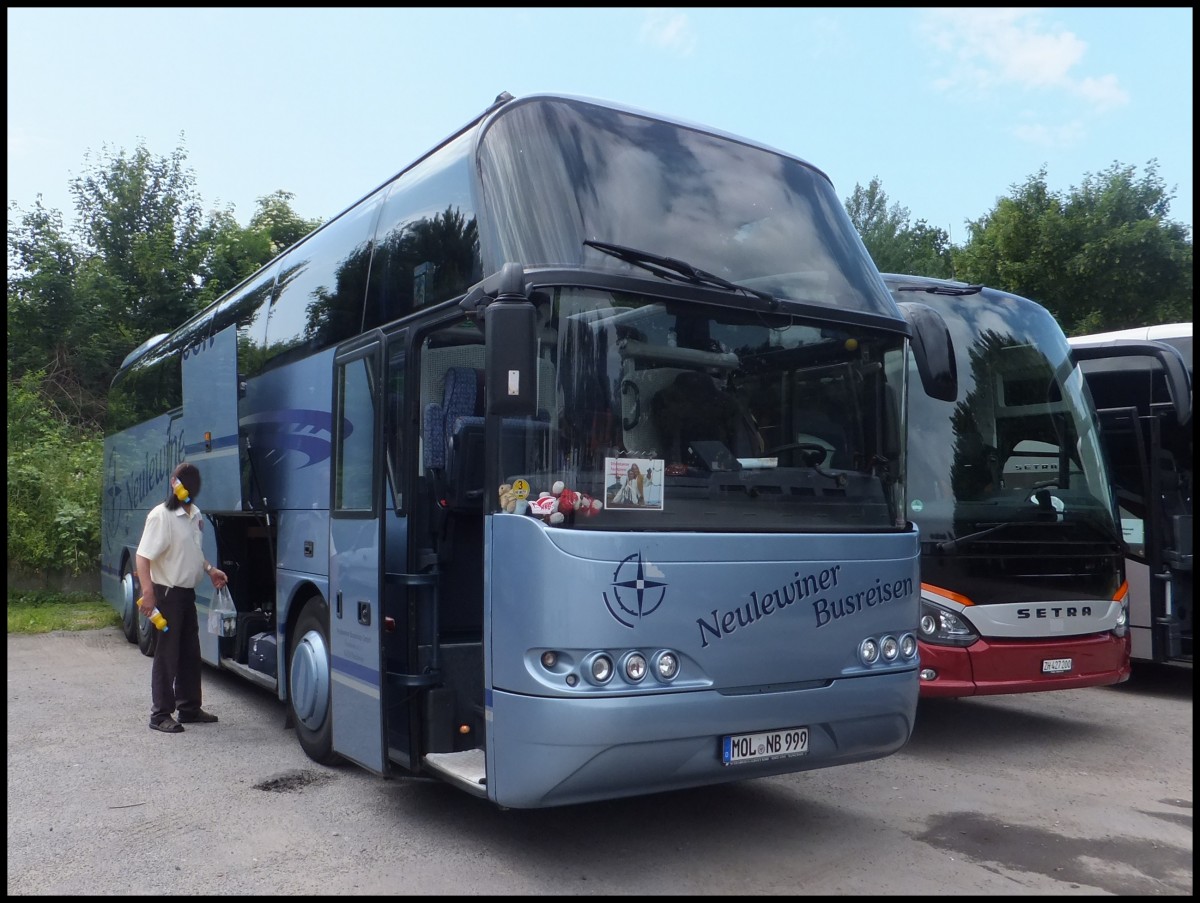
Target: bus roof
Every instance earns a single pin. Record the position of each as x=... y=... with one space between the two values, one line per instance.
x=1153 y=333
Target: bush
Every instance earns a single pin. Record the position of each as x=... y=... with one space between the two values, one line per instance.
x=54 y=471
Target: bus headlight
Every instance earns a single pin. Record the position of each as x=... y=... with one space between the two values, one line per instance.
x=666 y=665
x=945 y=628
x=868 y=651
x=600 y=669
x=1122 y=625
x=908 y=646
x=889 y=648
x=635 y=667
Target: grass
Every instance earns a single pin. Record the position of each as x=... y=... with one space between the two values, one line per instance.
x=41 y=611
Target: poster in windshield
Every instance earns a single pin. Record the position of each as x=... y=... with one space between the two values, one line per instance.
x=633 y=483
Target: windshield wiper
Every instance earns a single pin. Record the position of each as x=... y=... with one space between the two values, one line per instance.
x=952 y=545
x=942 y=289
x=679 y=270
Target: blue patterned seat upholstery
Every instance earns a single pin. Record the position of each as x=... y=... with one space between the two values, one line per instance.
x=459 y=405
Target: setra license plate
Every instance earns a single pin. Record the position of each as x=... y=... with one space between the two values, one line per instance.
x=788 y=741
x=1056 y=666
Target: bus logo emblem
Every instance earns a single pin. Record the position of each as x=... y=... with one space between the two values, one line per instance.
x=642 y=595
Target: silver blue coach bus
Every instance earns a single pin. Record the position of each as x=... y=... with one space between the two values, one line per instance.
x=566 y=465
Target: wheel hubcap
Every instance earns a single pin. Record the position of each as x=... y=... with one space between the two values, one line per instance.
x=309 y=684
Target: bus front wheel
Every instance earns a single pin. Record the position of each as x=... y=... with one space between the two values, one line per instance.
x=309 y=683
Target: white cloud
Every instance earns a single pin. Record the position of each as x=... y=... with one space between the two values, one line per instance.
x=1062 y=134
x=1104 y=92
x=998 y=48
x=668 y=29
x=23 y=143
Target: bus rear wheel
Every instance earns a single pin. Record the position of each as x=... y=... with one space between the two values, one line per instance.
x=309 y=682
x=129 y=597
x=147 y=634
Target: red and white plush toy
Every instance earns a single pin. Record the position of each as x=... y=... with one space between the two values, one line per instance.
x=557 y=505
x=543 y=506
x=569 y=500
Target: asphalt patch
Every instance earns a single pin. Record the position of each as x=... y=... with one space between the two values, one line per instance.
x=293 y=781
x=1118 y=865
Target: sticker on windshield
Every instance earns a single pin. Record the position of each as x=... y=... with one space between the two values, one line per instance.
x=633 y=483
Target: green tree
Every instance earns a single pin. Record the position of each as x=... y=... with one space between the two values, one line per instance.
x=896 y=245
x=51 y=323
x=77 y=304
x=235 y=252
x=142 y=222
x=1103 y=255
x=142 y=261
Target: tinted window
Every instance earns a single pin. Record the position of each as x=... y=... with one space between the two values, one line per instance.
x=556 y=173
x=248 y=308
x=151 y=386
x=427 y=248
x=322 y=283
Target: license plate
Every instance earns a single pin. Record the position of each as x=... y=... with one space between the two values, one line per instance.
x=788 y=741
x=1056 y=666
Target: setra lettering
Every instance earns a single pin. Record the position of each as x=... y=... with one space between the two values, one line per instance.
x=1055 y=611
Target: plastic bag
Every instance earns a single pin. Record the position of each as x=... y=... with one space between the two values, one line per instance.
x=222 y=617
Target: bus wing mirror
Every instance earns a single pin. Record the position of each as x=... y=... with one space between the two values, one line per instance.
x=933 y=350
x=510 y=359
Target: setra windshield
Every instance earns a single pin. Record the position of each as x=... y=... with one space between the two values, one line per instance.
x=667 y=415
x=1020 y=446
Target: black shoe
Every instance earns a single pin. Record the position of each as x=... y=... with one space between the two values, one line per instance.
x=168 y=726
x=197 y=717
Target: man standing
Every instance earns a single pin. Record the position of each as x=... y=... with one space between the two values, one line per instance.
x=170 y=563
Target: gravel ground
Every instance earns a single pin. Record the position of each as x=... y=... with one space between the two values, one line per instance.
x=1074 y=792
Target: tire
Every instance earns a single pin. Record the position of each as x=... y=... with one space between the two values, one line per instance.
x=130 y=590
x=147 y=635
x=309 y=685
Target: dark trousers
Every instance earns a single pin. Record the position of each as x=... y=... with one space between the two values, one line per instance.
x=175 y=675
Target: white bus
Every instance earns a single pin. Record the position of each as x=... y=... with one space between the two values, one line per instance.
x=1141 y=382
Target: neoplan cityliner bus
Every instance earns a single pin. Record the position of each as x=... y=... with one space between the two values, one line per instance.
x=1022 y=579
x=1141 y=380
x=506 y=464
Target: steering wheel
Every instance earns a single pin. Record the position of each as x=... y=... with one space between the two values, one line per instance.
x=634 y=417
x=810 y=448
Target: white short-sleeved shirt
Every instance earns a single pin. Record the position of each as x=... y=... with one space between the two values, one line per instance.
x=172 y=542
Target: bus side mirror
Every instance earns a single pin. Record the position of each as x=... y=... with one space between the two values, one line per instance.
x=933 y=350
x=510 y=359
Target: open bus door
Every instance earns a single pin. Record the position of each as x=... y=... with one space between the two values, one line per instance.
x=1153 y=495
x=211 y=389
x=212 y=441
x=356 y=553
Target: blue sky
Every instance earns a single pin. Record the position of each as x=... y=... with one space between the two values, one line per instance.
x=949 y=108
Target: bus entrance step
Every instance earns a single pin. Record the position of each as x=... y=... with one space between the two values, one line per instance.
x=466 y=769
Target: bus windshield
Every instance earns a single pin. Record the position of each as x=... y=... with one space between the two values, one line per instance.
x=1024 y=439
x=685 y=417
x=559 y=172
